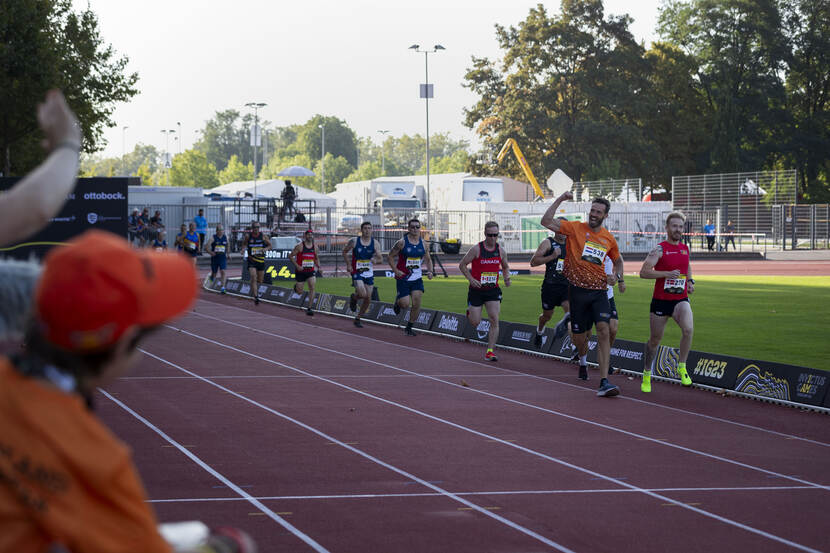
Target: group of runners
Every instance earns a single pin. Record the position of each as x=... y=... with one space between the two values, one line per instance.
x=582 y=263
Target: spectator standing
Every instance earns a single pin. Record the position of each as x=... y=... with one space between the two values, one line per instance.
x=729 y=232
x=709 y=231
x=288 y=195
x=144 y=227
x=132 y=226
x=201 y=228
x=687 y=233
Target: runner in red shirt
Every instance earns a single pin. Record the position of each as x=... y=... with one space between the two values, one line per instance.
x=669 y=264
x=304 y=257
x=487 y=259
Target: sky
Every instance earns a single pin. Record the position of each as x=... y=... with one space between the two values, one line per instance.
x=348 y=59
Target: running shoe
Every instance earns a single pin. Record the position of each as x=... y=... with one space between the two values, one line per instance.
x=408 y=331
x=575 y=356
x=583 y=372
x=353 y=302
x=561 y=327
x=606 y=389
x=256 y=300
x=309 y=312
x=396 y=308
x=223 y=291
x=490 y=356
x=645 y=386
x=537 y=341
x=684 y=377
x=358 y=324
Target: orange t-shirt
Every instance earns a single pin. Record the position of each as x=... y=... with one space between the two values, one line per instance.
x=586 y=252
x=64 y=478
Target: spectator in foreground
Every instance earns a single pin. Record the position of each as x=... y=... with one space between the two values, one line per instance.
x=39 y=196
x=88 y=496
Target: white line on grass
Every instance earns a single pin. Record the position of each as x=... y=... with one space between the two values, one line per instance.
x=479 y=363
x=464 y=494
x=556 y=460
x=516 y=402
x=372 y=458
x=244 y=495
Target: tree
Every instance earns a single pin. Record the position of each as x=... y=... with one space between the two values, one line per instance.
x=45 y=44
x=368 y=171
x=340 y=139
x=569 y=89
x=236 y=171
x=146 y=174
x=808 y=94
x=191 y=168
x=739 y=49
x=453 y=163
x=225 y=136
x=337 y=169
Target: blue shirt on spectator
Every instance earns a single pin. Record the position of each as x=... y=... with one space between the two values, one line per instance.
x=201 y=224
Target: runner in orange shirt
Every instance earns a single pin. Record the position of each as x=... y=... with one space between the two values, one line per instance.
x=588 y=245
x=65 y=480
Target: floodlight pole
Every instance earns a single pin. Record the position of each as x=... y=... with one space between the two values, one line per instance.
x=255 y=136
x=323 y=160
x=426 y=53
x=382 y=153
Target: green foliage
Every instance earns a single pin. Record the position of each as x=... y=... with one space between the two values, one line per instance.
x=146 y=174
x=191 y=168
x=236 y=171
x=225 y=136
x=368 y=171
x=456 y=162
x=336 y=171
x=46 y=44
x=341 y=141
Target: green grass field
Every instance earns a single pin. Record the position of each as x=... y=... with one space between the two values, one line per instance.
x=782 y=319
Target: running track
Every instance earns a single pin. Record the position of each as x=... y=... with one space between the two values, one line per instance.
x=316 y=436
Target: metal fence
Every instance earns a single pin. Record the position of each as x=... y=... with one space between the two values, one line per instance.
x=801 y=226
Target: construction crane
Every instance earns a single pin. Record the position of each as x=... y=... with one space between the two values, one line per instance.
x=511 y=143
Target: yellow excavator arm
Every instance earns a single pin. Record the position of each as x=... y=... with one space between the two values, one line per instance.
x=511 y=143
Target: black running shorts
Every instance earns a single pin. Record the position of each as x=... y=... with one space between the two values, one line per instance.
x=476 y=297
x=588 y=307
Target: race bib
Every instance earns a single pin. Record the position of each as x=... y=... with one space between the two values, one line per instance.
x=489 y=278
x=413 y=262
x=675 y=285
x=190 y=244
x=594 y=252
x=256 y=251
x=560 y=265
x=363 y=265
x=219 y=249
x=159 y=249
x=308 y=263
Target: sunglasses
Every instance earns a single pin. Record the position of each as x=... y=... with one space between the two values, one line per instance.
x=496 y=235
x=414 y=227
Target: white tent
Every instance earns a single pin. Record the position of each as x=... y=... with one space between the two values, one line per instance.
x=271 y=189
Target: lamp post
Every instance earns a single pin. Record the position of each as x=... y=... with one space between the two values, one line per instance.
x=124 y=148
x=426 y=94
x=323 y=161
x=383 y=152
x=166 y=133
x=255 y=135
x=179 y=124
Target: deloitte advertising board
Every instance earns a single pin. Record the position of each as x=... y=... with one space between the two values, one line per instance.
x=765 y=380
x=99 y=203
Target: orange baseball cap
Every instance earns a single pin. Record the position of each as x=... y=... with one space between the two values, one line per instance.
x=97 y=286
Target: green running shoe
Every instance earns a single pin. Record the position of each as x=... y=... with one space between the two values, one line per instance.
x=684 y=376
x=645 y=387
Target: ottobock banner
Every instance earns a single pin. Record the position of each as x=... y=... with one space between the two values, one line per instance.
x=95 y=203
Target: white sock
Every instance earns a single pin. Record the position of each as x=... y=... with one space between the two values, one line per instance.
x=539 y=331
x=583 y=359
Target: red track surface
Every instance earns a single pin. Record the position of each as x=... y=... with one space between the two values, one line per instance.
x=363 y=441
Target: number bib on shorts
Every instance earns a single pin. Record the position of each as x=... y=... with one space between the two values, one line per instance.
x=675 y=285
x=594 y=252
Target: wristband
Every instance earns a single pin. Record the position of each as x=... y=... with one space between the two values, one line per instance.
x=620 y=278
x=68 y=144
x=692 y=280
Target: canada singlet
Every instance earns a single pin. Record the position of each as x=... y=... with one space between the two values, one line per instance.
x=485 y=268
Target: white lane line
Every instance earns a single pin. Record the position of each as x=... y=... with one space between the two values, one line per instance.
x=466 y=494
x=556 y=460
x=410 y=476
x=479 y=363
x=244 y=495
x=517 y=402
x=301 y=377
